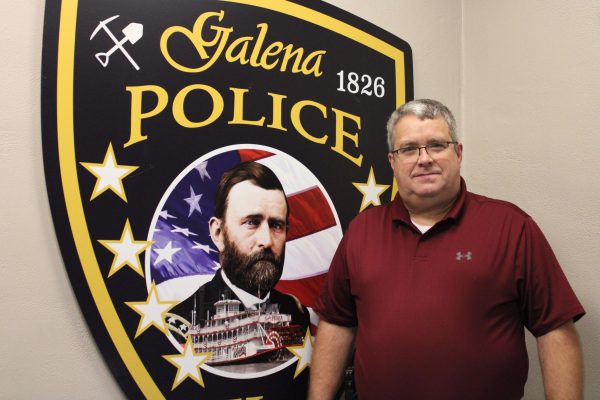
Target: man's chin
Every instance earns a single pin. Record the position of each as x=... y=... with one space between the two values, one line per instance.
x=426 y=193
x=429 y=189
x=267 y=274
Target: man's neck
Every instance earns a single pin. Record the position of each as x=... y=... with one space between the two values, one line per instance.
x=429 y=213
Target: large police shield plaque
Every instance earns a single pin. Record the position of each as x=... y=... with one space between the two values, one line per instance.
x=145 y=105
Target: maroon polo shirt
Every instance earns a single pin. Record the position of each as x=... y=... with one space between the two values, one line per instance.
x=441 y=315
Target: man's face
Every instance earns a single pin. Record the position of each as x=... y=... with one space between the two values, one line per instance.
x=251 y=237
x=428 y=177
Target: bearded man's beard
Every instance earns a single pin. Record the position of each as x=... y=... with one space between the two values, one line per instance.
x=256 y=273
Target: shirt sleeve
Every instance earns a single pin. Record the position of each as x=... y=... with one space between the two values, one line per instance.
x=547 y=300
x=335 y=303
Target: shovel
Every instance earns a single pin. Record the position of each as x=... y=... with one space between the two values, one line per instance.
x=133 y=32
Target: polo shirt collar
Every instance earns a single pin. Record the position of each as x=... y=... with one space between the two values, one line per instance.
x=400 y=213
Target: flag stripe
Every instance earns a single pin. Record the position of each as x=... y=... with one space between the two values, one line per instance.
x=306 y=290
x=253 y=155
x=310 y=255
x=309 y=213
x=292 y=174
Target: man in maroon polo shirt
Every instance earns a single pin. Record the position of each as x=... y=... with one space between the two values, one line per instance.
x=432 y=292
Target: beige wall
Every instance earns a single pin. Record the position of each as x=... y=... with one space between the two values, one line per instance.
x=531 y=107
x=522 y=76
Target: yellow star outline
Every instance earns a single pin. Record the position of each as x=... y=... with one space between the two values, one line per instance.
x=303 y=352
x=371 y=191
x=109 y=175
x=127 y=251
x=152 y=312
x=188 y=364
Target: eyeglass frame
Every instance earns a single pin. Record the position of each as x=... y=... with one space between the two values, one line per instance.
x=418 y=148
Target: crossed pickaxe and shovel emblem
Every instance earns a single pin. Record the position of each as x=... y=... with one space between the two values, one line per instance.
x=133 y=32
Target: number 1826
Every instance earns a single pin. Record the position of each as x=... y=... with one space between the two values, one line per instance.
x=363 y=84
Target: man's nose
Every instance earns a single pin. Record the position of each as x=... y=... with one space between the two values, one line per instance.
x=423 y=156
x=264 y=236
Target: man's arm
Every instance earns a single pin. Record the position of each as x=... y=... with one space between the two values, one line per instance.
x=561 y=361
x=333 y=348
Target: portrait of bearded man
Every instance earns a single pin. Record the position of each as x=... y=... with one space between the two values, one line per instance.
x=249 y=228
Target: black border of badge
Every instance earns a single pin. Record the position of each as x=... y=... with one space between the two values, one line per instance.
x=60 y=164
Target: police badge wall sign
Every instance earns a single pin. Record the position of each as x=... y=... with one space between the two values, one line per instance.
x=145 y=105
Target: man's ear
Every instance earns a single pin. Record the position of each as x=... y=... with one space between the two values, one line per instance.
x=216 y=232
x=390 y=158
x=459 y=151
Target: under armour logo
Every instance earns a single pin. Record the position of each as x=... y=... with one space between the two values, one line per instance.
x=464 y=256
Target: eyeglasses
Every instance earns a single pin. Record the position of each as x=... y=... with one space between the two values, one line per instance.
x=413 y=151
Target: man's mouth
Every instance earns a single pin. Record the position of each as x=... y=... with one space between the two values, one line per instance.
x=424 y=174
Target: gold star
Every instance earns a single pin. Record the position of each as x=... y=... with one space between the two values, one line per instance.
x=303 y=352
x=152 y=311
x=109 y=174
x=370 y=190
x=188 y=364
x=126 y=250
x=394 y=189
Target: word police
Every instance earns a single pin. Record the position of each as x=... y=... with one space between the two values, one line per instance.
x=345 y=143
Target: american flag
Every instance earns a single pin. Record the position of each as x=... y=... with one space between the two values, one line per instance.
x=183 y=257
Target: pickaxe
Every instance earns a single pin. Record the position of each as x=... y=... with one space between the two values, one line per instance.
x=133 y=32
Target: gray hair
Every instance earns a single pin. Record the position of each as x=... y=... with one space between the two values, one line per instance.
x=423 y=109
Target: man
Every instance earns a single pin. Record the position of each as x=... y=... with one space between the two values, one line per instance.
x=432 y=291
x=249 y=228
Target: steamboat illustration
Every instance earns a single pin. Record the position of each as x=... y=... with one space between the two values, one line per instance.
x=237 y=336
